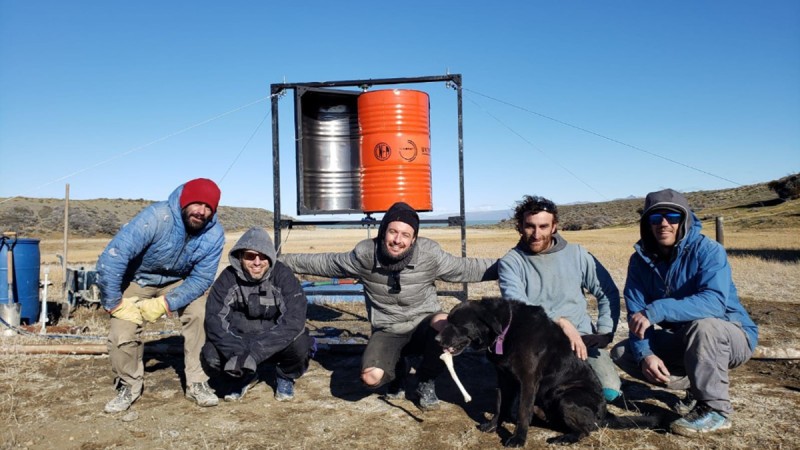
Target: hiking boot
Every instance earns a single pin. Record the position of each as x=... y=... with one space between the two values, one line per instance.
x=284 y=389
x=122 y=401
x=685 y=406
x=396 y=390
x=397 y=387
x=202 y=394
x=427 y=395
x=701 y=419
x=245 y=386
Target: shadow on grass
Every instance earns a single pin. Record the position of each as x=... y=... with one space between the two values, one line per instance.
x=767 y=254
x=759 y=204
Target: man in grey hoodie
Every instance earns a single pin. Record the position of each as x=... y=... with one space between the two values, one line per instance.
x=544 y=270
x=256 y=313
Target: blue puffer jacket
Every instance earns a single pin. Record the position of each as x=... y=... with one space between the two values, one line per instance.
x=154 y=249
x=696 y=284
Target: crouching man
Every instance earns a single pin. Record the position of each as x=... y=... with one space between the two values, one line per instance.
x=256 y=313
x=681 y=281
x=399 y=270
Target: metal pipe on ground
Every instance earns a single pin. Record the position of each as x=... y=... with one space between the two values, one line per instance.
x=82 y=349
x=152 y=348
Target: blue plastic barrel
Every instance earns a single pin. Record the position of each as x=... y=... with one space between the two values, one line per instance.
x=26 y=276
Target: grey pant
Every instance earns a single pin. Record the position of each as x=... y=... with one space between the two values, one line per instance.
x=604 y=368
x=126 y=349
x=698 y=356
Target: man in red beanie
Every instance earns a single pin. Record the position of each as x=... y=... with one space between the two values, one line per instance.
x=399 y=271
x=163 y=260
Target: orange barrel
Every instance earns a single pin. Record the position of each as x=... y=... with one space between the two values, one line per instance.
x=395 y=149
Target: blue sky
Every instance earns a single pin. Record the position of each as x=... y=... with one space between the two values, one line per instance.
x=575 y=101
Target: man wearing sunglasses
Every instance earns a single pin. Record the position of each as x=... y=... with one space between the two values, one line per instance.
x=162 y=261
x=256 y=313
x=680 y=281
x=398 y=270
x=543 y=269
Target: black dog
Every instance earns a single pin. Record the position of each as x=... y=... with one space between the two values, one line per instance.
x=533 y=357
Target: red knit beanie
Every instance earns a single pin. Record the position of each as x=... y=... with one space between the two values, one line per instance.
x=200 y=190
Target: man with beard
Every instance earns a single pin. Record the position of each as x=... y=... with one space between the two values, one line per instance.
x=256 y=313
x=163 y=260
x=687 y=325
x=544 y=270
x=398 y=270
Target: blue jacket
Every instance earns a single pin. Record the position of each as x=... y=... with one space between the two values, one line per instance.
x=695 y=284
x=154 y=249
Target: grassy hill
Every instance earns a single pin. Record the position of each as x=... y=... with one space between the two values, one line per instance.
x=44 y=217
x=743 y=207
x=753 y=206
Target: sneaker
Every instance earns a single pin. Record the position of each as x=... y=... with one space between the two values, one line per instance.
x=284 y=389
x=202 y=394
x=685 y=406
x=122 y=401
x=239 y=394
x=427 y=395
x=611 y=394
x=701 y=419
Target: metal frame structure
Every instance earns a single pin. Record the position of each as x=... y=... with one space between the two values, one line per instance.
x=278 y=88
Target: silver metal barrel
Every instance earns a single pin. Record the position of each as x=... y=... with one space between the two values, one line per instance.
x=331 y=159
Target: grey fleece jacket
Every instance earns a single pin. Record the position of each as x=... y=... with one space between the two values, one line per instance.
x=555 y=280
x=396 y=312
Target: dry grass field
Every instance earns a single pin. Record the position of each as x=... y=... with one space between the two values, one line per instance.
x=56 y=401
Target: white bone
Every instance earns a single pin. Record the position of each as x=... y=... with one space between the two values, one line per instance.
x=447 y=357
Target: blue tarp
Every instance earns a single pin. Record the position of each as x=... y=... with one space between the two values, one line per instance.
x=334 y=293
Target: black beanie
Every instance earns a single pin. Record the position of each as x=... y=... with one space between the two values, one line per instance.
x=399 y=212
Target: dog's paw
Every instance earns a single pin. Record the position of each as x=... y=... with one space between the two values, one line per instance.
x=515 y=441
x=488 y=427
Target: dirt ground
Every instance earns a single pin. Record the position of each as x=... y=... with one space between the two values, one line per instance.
x=49 y=401
x=56 y=401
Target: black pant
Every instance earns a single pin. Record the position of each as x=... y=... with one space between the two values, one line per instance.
x=291 y=362
x=384 y=350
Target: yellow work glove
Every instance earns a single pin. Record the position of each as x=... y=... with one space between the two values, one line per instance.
x=153 y=308
x=128 y=310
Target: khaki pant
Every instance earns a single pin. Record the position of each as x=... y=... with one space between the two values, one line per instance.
x=126 y=349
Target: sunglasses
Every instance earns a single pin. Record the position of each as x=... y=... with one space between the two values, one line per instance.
x=672 y=218
x=251 y=256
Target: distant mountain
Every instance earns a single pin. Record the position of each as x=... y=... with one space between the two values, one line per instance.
x=496 y=215
x=755 y=206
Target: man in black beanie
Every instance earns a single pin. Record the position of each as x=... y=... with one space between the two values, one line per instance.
x=398 y=270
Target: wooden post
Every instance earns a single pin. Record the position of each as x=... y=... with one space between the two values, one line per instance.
x=720 y=231
x=66 y=242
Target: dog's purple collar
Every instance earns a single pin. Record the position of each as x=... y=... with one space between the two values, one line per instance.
x=498 y=342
